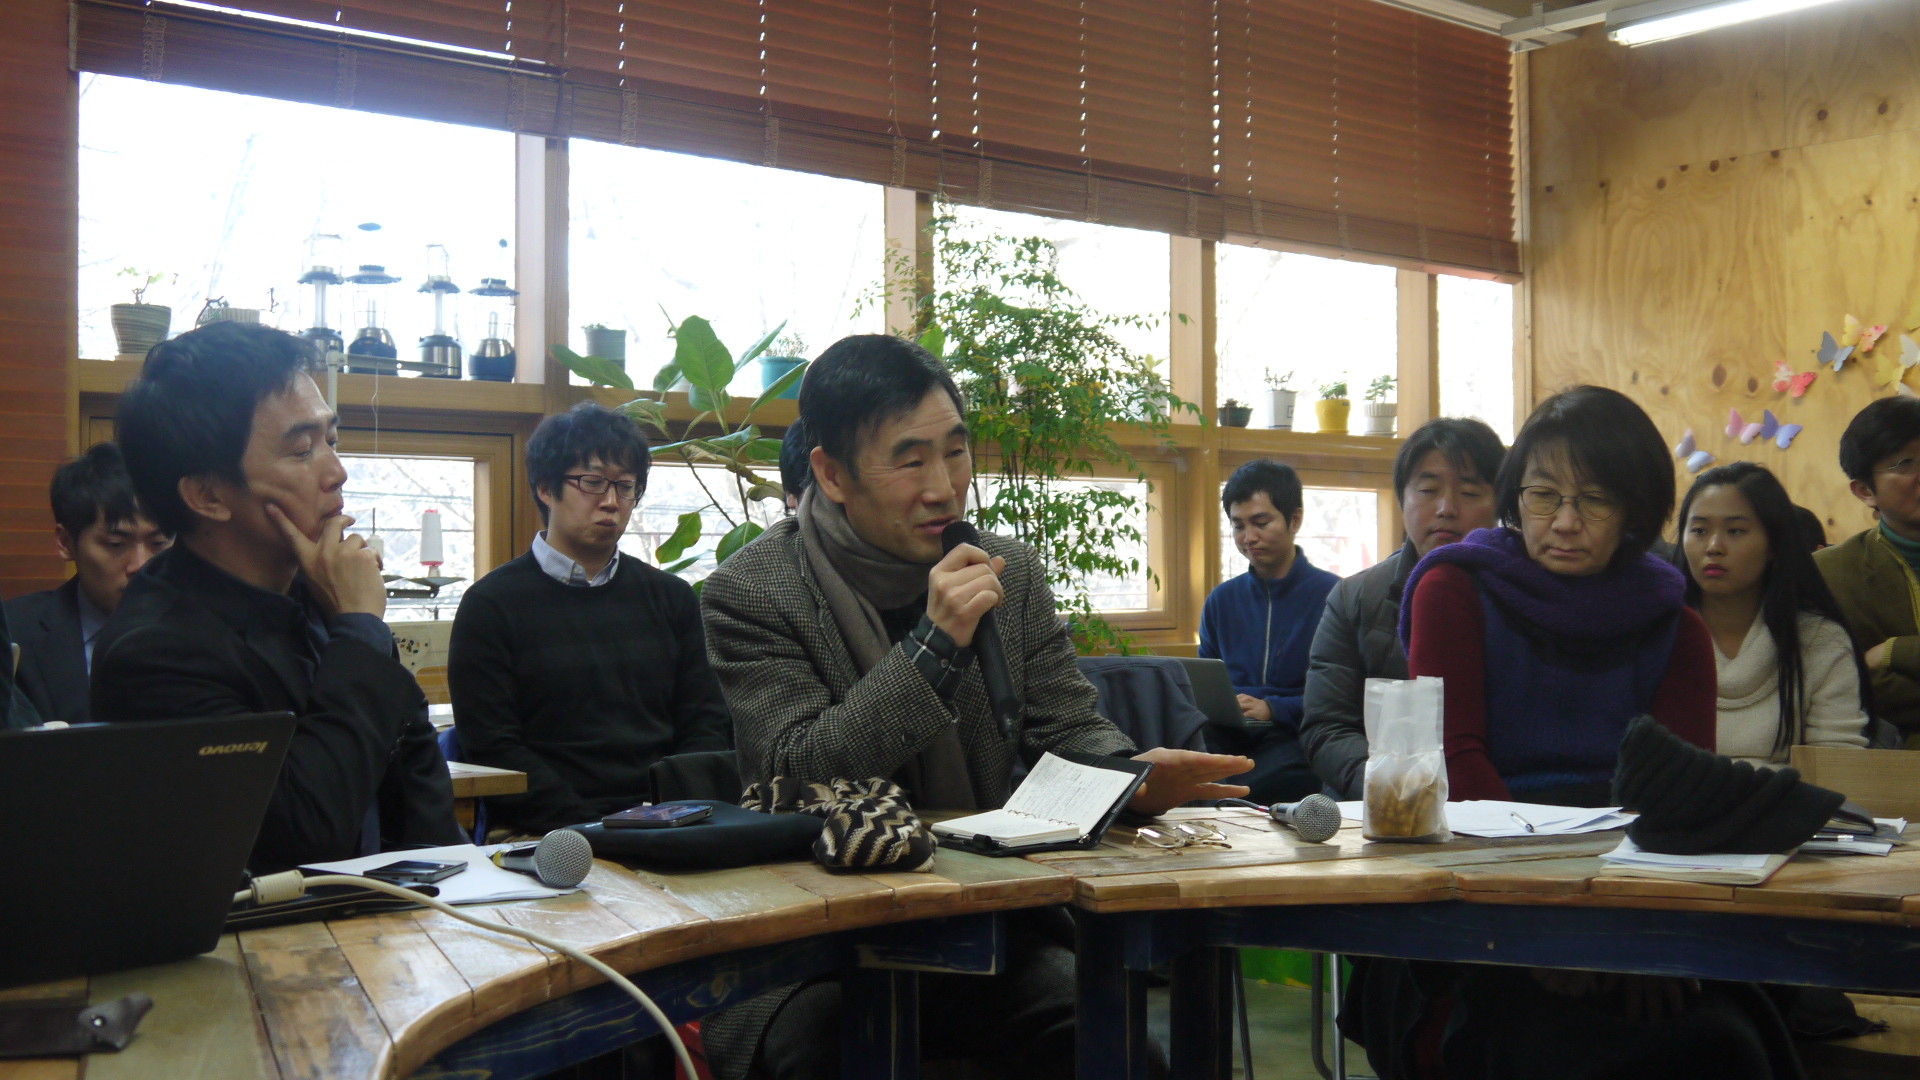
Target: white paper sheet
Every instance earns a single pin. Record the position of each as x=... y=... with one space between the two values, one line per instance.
x=1492 y=818
x=480 y=883
x=1629 y=854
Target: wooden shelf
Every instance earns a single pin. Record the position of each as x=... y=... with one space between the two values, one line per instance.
x=1287 y=444
x=111 y=377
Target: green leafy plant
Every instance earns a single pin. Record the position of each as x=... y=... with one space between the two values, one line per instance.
x=596 y=326
x=738 y=447
x=1378 y=389
x=1047 y=385
x=1333 y=391
x=1279 y=382
x=792 y=345
x=143 y=280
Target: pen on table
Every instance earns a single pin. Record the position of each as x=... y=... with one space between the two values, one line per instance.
x=1528 y=825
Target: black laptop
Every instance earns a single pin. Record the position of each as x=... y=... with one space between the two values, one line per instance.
x=126 y=842
x=1214 y=694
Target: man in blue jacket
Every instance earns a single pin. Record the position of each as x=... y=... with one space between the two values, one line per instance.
x=1262 y=624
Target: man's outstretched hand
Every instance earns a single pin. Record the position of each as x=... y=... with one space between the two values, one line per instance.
x=1181 y=776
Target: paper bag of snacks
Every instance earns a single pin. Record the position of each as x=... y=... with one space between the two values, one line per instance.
x=1406 y=783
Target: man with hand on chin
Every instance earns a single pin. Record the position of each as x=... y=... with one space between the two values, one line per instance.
x=265 y=604
x=1262 y=623
x=844 y=639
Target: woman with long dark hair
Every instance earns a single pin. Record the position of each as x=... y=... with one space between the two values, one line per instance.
x=1788 y=672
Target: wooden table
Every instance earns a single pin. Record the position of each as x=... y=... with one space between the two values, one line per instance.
x=384 y=996
x=1850 y=922
x=473 y=782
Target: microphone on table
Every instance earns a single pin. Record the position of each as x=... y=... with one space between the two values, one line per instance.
x=560 y=860
x=1316 y=818
x=987 y=644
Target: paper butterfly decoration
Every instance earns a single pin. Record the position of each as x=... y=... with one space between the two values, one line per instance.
x=1784 y=440
x=1869 y=338
x=1831 y=351
x=1850 y=331
x=1765 y=428
x=1785 y=381
x=1690 y=452
x=1891 y=369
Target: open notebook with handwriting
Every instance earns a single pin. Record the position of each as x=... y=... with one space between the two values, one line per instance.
x=1068 y=800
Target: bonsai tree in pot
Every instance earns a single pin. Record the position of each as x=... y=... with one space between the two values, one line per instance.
x=1280 y=391
x=1379 y=411
x=1332 y=408
x=1234 y=414
x=140 y=326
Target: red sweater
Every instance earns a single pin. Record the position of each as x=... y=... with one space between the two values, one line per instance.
x=1448 y=639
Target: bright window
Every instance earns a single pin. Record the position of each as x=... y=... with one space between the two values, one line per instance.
x=388 y=496
x=1324 y=320
x=1113 y=271
x=673 y=490
x=1339 y=531
x=1476 y=351
x=1117 y=592
x=220 y=193
x=658 y=236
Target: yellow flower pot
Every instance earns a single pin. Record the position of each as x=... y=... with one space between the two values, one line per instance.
x=1332 y=414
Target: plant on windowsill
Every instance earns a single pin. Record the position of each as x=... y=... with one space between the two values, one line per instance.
x=606 y=343
x=785 y=355
x=139 y=326
x=706 y=366
x=1281 y=393
x=1378 y=410
x=1232 y=413
x=1332 y=408
x=1049 y=388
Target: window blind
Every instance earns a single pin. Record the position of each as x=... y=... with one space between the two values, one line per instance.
x=1339 y=123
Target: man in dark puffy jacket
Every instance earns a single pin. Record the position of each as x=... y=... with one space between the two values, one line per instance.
x=1444 y=475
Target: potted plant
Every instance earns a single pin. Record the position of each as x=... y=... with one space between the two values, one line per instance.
x=607 y=343
x=787 y=353
x=140 y=326
x=1234 y=414
x=1378 y=410
x=1282 y=395
x=1333 y=407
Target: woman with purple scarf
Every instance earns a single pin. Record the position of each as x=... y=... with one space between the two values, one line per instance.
x=1552 y=633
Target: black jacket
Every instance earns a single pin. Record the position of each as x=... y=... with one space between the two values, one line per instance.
x=53 y=659
x=190 y=640
x=1358 y=639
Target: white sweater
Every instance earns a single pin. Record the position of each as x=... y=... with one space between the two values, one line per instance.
x=1750 y=692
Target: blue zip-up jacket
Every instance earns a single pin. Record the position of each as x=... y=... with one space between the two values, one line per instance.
x=1264 y=631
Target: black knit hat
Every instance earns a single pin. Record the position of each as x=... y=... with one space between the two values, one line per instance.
x=1692 y=802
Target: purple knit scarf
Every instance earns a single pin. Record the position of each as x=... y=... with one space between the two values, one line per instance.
x=1624 y=599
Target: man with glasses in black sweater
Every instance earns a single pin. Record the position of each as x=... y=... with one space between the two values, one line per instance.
x=574 y=663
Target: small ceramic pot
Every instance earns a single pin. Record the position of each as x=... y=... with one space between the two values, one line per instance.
x=1235 y=415
x=139 y=327
x=773 y=368
x=1282 y=408
x=1380 y=416
x=607 y=344
x=1332 y=414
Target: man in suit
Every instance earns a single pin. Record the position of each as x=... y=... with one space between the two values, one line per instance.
x=265 y=604
x=843 y=638
x=98 y=527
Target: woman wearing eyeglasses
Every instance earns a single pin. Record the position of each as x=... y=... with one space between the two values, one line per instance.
x=1555 y=630
x=1552 y=632
x=1788 y=672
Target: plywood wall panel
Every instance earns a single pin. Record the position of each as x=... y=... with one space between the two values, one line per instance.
x=1686 y=256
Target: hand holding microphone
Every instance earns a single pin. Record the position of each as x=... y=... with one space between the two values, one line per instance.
x=962 y=591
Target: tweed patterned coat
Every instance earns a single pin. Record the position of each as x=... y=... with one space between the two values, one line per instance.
x=801 y=708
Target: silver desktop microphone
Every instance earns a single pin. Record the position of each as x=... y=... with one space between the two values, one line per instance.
x=560 y=860
x=1316 y=818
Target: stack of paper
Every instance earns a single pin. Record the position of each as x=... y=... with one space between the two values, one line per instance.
x=1498 y=818
x=1628 y=860
x=1850 y=838
x=480 y=883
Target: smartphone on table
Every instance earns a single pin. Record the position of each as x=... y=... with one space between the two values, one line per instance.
x=416 y=871
x=657 y=817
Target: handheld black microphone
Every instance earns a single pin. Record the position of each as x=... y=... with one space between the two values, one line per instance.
x=1316 y=818
x=987 y=644
x=560 y=860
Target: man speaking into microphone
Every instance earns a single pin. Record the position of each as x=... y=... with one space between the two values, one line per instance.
x=847 y=642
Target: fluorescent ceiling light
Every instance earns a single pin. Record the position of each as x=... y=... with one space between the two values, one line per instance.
x=1666 y=19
